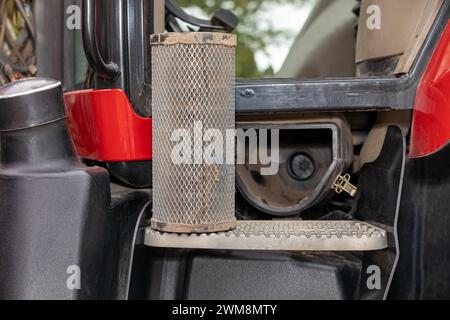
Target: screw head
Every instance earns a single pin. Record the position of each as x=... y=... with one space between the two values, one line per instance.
x=247 y=93
x=302 y=167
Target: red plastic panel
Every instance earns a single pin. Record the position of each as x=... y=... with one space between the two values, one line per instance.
x=104 y=127
x=431 y=124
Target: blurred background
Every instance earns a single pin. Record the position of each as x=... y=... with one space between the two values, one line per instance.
x=17 y=40
x=266 y=32
x=276 y=38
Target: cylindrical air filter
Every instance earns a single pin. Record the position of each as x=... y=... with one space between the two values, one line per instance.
x=193 y=114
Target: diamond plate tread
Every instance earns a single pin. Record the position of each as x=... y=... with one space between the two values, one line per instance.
x=280 y=235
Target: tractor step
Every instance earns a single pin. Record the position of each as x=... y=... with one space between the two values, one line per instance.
x=280 y=235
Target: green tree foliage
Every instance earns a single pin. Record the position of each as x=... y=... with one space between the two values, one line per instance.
x=254 y=33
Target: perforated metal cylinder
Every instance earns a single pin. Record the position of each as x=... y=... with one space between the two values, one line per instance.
x=193 y=92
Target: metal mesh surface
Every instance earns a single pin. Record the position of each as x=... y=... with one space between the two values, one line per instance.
x=192 y=83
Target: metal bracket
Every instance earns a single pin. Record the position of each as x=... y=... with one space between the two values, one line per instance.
x=342 y=184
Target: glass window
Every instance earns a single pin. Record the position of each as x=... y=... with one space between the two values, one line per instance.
x=266 y=32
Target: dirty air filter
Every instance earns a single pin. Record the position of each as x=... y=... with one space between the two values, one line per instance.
x=193 y=92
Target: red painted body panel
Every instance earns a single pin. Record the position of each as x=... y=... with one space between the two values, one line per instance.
x=104 y=127
x=431 y=124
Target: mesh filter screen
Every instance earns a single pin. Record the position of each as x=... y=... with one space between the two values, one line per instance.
x=193 y=83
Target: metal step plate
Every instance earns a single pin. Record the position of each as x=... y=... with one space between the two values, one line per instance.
x=280 y=235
